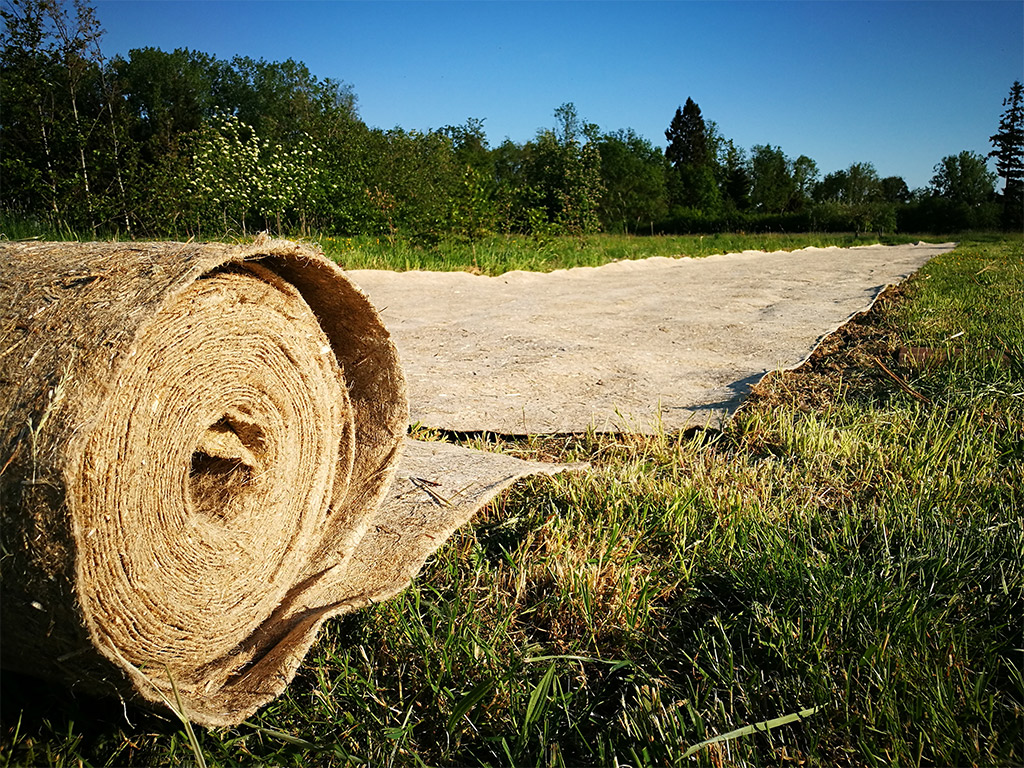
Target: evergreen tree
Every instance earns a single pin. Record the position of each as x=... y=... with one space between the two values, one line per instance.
x=1009 y=155
x=687 y=138
x=690 y=152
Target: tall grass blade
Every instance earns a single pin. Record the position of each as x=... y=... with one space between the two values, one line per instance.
x=762 y=727
x=471 y=699
x=179 y=710
x=538 y=700
x=287 y=738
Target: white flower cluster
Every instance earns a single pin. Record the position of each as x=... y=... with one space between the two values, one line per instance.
x=236 y=171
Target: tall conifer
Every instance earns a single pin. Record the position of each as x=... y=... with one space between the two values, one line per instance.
x=692 y=178
x=1009 y=155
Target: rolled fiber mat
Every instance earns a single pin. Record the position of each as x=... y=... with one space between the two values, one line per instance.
x=641 y=345
x=203 y=458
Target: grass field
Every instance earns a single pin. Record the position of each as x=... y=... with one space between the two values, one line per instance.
x=836 y=579
x=498 y=254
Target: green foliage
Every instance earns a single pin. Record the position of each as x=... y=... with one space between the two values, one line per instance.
x=1009 y=155
x=964 y=178
x=857 y=199
x=235 y=175
x=687 y=137
x=805 y=177
x=226 y=170
x=55 y=151
x=123 y=146
x=773 y=186
x=474 y=206
x=895 y=190
x=564 y=167
x=633 y=172
x=735 y=182
x=167 y=95
x=941 y=215
x=413 y=182
x=692 y=179
x=104 y=144
x=282 y=101
x=856 y=185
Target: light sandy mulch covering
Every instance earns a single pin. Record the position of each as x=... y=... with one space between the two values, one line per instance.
x=640 y=345
x=201 y=460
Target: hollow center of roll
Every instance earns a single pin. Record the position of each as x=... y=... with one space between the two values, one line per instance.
x=226 y=461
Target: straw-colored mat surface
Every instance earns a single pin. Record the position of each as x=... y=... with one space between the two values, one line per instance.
x=670 y=343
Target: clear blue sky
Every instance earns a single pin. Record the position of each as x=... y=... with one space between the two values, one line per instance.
x=897 y=84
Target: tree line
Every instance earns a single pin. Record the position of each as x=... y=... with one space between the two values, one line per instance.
x=182 y=144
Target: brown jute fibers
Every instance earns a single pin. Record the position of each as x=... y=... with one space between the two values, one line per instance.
x=199 y=446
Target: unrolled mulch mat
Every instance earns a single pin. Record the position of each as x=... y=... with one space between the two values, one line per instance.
x=203 y=458
x=637 y=345
x=203 y=452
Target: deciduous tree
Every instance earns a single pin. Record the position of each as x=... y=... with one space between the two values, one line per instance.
x=632 y=172
x=51 y=81
x=964 y=178
x=895 y=190
x=167 y=95
x=805 y=177
x=857 y=184
x=563 y=165
x=773 y=188
x=735 y=184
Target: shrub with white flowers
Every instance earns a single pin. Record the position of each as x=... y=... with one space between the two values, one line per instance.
x=236 y=174
x=289 y=180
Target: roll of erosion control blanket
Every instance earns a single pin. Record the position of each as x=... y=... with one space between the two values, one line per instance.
x=196 y=449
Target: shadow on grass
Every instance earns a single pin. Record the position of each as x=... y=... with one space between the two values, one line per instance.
x=45 y=722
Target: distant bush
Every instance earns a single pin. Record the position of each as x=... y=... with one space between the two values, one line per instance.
x=937 y=214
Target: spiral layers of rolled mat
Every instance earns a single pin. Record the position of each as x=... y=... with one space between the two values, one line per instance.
x=195 y=441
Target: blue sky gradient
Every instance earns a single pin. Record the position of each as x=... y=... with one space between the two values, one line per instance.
x=897 y=84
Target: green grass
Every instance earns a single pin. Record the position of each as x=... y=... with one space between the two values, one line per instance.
x=850 y=548
x=498 y=254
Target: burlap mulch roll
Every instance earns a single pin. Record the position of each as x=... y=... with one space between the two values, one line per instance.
x=196 y=449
